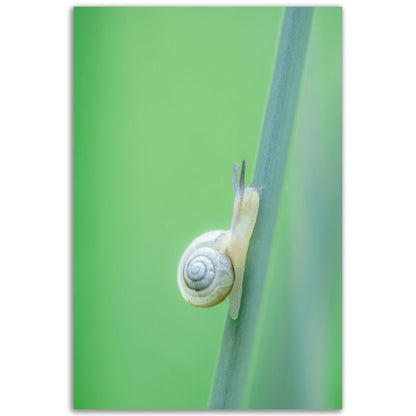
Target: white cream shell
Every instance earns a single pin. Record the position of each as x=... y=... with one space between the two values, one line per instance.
x=207 y=246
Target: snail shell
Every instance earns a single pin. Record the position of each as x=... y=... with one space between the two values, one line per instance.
x=212 y=267
x=206 y=275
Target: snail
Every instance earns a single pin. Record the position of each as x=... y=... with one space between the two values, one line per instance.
x=212 y=267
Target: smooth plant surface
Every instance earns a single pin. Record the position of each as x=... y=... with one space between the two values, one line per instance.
x=235 y=356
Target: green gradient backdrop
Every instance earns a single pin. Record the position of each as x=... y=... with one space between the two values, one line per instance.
x=166 y=100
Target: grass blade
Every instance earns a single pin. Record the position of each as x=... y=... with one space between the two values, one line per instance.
x=238 y=339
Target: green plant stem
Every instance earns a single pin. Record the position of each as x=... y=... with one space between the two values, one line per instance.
x=234 y=361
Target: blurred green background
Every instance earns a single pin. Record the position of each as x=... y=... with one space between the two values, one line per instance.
x=166 y=100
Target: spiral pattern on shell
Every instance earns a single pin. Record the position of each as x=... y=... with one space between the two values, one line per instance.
x=205 y=276
x=199 y=272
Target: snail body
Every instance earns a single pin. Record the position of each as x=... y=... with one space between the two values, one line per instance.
x=212 y=267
